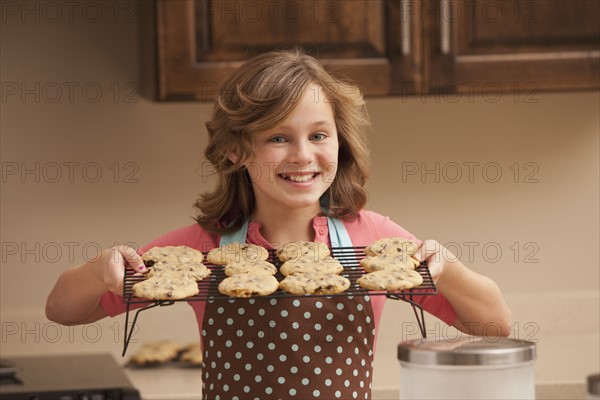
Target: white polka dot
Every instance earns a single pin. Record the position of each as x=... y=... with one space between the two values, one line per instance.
x=316 y=393
x=281 y=379
x=219 y=376
x=359 y=307
x=260 y=356
x=211 y=343
x=306 y=359
x=225 y=388
x=292 y=392
x=317 y=327
x=270 y=368
x=228 y=343
x=260 y=334
x=354 y=395
x=317 y=349
x=307 y=315
x=258 y=378
x=246 y=389
x=226 y=365
x=296 y=303
x=368 y=319
x=268 y=390
x=204 y=332
x=328 y=382
x=338 y=394
x=305 y=381
x=238 y=355
x=271 y=346
x=329 y=338
x=367 y=298
x=329 y=316
x=340 y=349
x=250 y=345
x=340 y=306
x=295 y=347
x=211 y=321
x=250 y=322
x=236 y=377
x=213 y=364
x=273 y=302
x=348 y=361
x=355 y=372
x=339 y=328
x=283 y=335
x=306 y=337
x=338 y=372
x=328 y=360
x=272 y=324
x=220 y=310
x=295 y=325
x=284 y=313
x=356 y=350
x=294 y=369
x=365 y=341
x=219 y=332
x=350 y=339
x=248 y=367
x=359 y=329
x=318 y=304
x=367 y=375
x=350 y=297
x=239 y=333
x=241 y=311
x=351 y=317
x=347 y=383
x=282 y=358
x=362 y=362
x=362 y=384
x=261 y=312
x=317 y=371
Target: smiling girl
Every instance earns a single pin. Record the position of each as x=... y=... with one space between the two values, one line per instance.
x=287 y=140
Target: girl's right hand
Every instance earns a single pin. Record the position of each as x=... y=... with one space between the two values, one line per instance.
x=111 y=265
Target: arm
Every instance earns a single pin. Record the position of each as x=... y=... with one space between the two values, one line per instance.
x=75 y=298
x=479 y=305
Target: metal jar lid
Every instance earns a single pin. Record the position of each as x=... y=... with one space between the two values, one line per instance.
x=593 y=384
x=467 y=351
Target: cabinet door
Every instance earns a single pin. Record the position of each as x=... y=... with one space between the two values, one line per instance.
x=512 y=46
x=201 y=42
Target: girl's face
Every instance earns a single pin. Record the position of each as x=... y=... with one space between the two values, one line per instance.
x=296 y=162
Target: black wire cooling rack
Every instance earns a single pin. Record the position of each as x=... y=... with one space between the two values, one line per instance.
x=349 y=257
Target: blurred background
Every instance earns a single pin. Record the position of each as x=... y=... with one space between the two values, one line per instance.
x=102 y=138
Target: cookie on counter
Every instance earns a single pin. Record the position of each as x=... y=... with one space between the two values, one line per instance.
x=237 y=252
x=314 y=283
x=191 y=355
x=154 y=353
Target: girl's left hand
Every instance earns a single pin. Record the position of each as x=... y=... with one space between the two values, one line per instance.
x=436 y=256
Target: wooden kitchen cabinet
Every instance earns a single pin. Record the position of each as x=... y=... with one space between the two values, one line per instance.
x=387 y=47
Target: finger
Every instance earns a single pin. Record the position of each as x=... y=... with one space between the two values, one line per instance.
x=132 y=258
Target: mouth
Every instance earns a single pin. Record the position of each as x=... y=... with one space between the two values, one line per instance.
x=300 y=177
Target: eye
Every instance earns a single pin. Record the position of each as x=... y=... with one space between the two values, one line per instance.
x=317 y=137
x=277 y=139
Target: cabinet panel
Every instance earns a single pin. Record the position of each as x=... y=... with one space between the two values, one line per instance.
x=201 y=42
x=507 y=45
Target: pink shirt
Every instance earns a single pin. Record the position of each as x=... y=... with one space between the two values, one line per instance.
x=364 y=230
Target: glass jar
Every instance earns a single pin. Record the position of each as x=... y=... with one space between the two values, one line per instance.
x=467 y=368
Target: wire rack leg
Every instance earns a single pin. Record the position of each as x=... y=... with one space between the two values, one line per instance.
x=129 y=330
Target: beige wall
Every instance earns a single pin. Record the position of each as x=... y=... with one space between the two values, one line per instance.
x=534 y=229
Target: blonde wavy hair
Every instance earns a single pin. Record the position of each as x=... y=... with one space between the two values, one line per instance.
x=259 y=96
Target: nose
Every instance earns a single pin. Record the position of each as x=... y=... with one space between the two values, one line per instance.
x=301 y=153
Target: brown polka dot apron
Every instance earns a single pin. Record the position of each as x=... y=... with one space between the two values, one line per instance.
x=289 y=348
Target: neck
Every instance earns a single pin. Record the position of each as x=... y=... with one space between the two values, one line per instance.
x=283 y=226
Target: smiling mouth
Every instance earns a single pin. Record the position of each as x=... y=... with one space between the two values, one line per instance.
x=299 y=178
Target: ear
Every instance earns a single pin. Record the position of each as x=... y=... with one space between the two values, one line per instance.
x=233 y=156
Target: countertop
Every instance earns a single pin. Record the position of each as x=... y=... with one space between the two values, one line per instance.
x=186 y=383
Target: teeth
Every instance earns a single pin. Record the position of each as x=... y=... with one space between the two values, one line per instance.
x=299 y=178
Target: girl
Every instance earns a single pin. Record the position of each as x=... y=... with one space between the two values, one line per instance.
x=287 y=140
